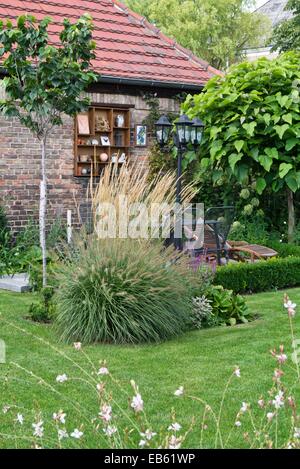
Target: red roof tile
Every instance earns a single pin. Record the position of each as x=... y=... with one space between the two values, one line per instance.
x=127 y=45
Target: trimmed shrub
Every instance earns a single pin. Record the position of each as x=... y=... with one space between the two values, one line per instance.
x=124 y=291
x=284 y=249
x=260 y=276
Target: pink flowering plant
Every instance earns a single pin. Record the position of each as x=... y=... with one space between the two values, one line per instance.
x=117 y=416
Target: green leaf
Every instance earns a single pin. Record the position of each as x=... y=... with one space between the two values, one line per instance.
x=266 y=162
x=215 y=147
x=281 y=129
x=233 y=159
x=214 y=132
x=250 y=128
x=241 y=172
x=272 y=153
x=292 y=182
x=239 y=145
x=260 y=185
x=288 y=118
x=205 y=163
x=267 y=118
x=284 y=169
x=282 y=100
x=291 y=143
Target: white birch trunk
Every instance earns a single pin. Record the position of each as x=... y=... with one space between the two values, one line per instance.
x=43 y=207
x=69 y=226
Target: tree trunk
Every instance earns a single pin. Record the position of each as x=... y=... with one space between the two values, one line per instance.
x=43 y=205
x=291 y=213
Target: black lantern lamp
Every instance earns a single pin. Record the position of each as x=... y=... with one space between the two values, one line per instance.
x=163 y=130
x=197 y=132
x=184 y=129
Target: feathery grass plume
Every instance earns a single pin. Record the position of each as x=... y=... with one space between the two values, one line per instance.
x=131 y=181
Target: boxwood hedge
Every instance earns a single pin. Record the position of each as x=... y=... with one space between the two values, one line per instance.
x=261 y=276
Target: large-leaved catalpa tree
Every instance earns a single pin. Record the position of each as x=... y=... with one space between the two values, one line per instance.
x=252 y=134
x=44 y=81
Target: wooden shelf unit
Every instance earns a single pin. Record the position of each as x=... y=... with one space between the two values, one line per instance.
x=87 y=155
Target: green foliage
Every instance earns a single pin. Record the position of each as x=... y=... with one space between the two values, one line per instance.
x=260 y=276
x=251 y=140
x=4 y=231
x=44 y=81
x=253 y=231
x=215 y=31
x=158 y=160
x=123 y=291
x=286 y=35
x=24 y=254
x=284 y=249
x=44 y=310
x=202 y=316
x=229 y=309
x=252 y=122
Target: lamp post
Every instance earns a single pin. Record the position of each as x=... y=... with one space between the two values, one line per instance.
x=188 y=132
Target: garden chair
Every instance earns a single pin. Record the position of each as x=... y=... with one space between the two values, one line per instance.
x=217 y=226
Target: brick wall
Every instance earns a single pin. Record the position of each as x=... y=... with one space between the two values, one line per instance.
x=20 y=163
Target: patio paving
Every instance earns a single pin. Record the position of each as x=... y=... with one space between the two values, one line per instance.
x=18 y=283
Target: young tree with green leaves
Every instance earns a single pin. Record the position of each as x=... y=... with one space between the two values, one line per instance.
x=286 y=34
x=43 y=82
x=252 y=134
x=217 y=31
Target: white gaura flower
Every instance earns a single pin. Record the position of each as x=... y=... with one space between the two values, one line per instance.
x=110 y=431
x=244 y=407
x=61 y=378
x=106 y=413
x=20 y=419
x=237 y=372
x=174 y=442
x=77 y=346
x=290 y=305
x=103 y=371
x=60 y=417
x=38 y=429
x=62 y=434
x=270 y=416
x=175 y=427
x=142 y=443
x=5 y=409
x=77 y=434
x=261 y=403
x=148 y=435
x=282 y=358
x=238 y=423
x=137 y=403
x=278 y=402
x=297 y=433
x=179 y=392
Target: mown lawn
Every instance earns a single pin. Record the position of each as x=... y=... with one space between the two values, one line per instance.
x=201 y=361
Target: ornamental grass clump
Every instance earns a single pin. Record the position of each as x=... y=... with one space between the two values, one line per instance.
x=123 y=291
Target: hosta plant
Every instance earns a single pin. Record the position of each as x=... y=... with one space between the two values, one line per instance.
x=229 y=308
